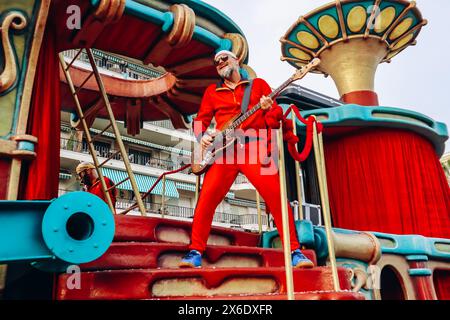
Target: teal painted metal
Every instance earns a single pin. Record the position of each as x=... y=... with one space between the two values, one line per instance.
x=75 y=228
x=417 y=257
x=420 y=272
x=166 y=20
x=355 y=115
x=408 y=245
x=305 y=234
x=144 y=183
x=25 y=145
x=413 y=247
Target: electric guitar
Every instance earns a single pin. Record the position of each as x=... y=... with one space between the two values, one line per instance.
x=202 y=159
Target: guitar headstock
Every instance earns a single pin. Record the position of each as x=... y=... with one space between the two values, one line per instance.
x=303 y=71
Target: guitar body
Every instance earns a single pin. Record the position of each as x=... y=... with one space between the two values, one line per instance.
x=201 y=160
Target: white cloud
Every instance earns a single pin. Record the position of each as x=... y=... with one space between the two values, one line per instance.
x=418 y=79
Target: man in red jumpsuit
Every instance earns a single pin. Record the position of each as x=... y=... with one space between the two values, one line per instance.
x=223 y=101
x=88 y=175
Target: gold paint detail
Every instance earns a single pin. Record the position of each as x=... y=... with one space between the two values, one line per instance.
x=183 y=26
x=196 y=287
x=328 y=26
x=9 y=75
x=384 y=20
x=403 y=42
x=299 y=54
x=352 y=65
x=401 y=29
x=308 y=40
x=361 y=246
x=110 y=11
x=357 y=19
x=239 y=46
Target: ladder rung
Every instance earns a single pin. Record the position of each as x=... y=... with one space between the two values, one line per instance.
x=118 y=184
x=109 y=158
x=100 y=133
x=73 y=60
x=84 y=82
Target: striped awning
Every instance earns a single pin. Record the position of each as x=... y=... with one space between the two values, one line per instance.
x=144 y=183
x=191 y=187
x=65 y=176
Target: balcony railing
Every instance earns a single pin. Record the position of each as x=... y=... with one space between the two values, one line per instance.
x=102 y=151
x=188 y=213
x=116 y=64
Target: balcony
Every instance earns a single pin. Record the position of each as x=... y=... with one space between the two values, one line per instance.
x=105 y=152
x=247 y=221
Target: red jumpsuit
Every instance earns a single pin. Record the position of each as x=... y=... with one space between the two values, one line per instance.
x=96 y=189
x=223 y=103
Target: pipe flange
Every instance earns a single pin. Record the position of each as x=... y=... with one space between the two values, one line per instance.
x=78 y=227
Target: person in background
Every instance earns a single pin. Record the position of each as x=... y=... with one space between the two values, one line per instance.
x=91 y=182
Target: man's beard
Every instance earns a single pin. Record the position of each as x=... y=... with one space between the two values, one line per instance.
x=86 y=180
x=226 y=72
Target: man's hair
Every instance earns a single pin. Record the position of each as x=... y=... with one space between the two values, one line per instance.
x=84 y=166
x=225 y=52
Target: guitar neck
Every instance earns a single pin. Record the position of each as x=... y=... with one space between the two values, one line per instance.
x=252 y=111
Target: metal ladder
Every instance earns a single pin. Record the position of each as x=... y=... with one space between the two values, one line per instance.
x=112 y=124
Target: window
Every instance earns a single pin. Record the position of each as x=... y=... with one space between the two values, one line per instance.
x=139 y=157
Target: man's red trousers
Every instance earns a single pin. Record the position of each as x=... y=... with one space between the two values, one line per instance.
x=216 y=185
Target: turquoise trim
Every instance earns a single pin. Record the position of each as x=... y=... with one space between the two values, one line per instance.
x=25 y=145
x=94 y=237
x=417 y=257
x=413 y=247
x=144 y=183
x=356 y=115
x=32 y=231
x=408 y=245
x=423 y=272
x=166 y=20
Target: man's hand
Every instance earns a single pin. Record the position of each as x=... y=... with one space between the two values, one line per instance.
x=266 y=103
x=206 y=141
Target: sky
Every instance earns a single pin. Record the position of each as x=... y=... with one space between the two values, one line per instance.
x=417 y=79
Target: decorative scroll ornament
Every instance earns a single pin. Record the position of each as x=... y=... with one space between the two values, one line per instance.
x=240 y=46
x=183 y=26
x=110 y=11
x=15 y=20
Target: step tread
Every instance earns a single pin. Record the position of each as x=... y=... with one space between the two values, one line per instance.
x=141 y=284
x=146 y=229
x=141 y=255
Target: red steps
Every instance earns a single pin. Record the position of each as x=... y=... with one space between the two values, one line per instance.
x=199 y=283
x=131 y=255
x=143 y=229
x=142 y=264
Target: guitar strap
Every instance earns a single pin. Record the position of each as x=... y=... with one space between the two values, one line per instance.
x=246 y=98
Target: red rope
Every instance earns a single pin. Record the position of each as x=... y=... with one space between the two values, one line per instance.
x=275 y=116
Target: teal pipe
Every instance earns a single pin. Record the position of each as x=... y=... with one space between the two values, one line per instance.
x=75 y=228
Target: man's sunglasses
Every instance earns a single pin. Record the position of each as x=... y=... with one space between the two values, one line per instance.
x=219 y=61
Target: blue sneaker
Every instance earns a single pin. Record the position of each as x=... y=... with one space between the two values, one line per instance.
x=193 y=259
x=300 y=261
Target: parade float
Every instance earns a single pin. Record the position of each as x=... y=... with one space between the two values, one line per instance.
x=374 y=170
